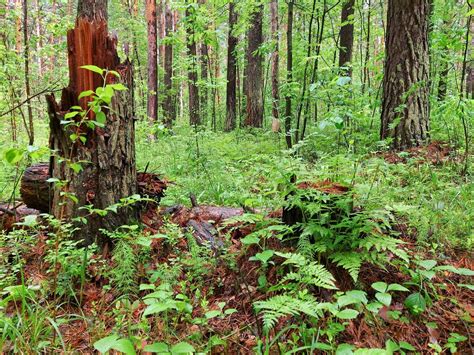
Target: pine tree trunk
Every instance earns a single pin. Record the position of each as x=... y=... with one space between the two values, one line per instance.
x=109 y=172
x=194 y=114
x=169 y=106
x=346 y=35
x=405 y=108
x=152 y=103
x=204 y=58
x=254 y=71
x=275 y=58
x=231 y=90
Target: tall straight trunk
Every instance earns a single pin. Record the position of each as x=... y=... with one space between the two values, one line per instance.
x=204 y=59
x=231 y=89
x=109 y=151
x=405 y=107
x=160 y=27
x=275 y=57
x=26 y=57
x=254 y=72
x=289 y=73
x=18 y=29
x=193 y=90
x=346 y=36
x=39 y=38
x=169 y=106
x=152 y=103
x=366 y=77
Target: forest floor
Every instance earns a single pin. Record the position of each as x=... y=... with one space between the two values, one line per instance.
x=163 y=289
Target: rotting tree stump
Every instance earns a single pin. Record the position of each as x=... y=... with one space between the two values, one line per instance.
x=294 y=213
x=36 y=192
x=107 y=155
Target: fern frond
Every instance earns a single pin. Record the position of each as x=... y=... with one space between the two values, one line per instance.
x=350 y=261
x=285 y=305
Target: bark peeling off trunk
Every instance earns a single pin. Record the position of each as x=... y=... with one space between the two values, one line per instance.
x=108 y=156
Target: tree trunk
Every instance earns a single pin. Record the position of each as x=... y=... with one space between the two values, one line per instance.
x=26 y=55
x=169 y=106
x=39 y=39
x=405 y=107
x=289 y=73
x=194 y=114
x=109 y=172
x=231 y=90
x=204 y=58
x=152 y=103
x=254 y=72
x=346 y=35
x=275 y=58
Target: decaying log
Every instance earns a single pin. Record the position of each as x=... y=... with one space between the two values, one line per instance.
x=9 y=215
x=215 y=214
x=35 y=190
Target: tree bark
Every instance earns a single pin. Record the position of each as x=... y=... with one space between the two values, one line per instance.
x=254 y=71
x=26 y=58
x=275 y=58
x=346 y=35
x=231 y=89
x=152 y=103
x=194 y=114
x=109 y=172
x=405 y=107
x=289 y=73
x=169 y=106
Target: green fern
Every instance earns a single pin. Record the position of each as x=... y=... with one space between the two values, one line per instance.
x=286 y=305
x=308 y=273
x=349 y=261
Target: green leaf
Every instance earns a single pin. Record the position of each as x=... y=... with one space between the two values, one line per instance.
x=100 y=118
x=406 y=346
x=321 y=346
x=76 y=167
x=250 y=239
x=469 y=287
x=118 y=87
x=397 y=287
x=344 y=349
x=86 y=93
x=212 y=314
x=380 y=286
x=384 y=298
x=14 y=155
x=265 y=255
x=125 y=346
x=347 y=314
x=415 y=303
x=182 y=348
x=105 y=344
x=93 y=68
x=352 y=297
x=454 y=270
x=427 y=264
x=71 y=114
x=113 y=72
x=157 y=348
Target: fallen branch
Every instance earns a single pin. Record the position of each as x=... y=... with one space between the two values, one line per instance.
x=29 y=99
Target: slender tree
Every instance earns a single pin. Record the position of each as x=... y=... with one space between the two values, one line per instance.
x=194 y=114
x=100 y=169
x=254 y=71
x=231 y=89
x=152 y=103
x=26 y=60
x=405 y=107
x=169 y=103
x=275 y=57
x=346 y=36
x=289 y=73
